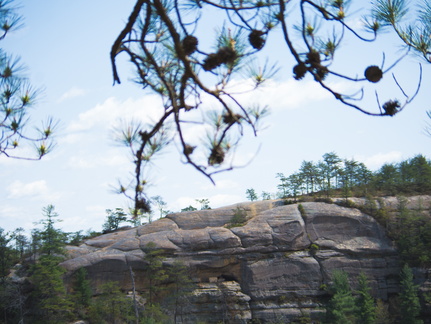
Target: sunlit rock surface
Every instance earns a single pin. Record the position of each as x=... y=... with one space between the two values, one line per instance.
x=276 y=266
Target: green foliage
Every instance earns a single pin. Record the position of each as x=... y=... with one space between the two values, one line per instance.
x=341 y=308
x=346 y=178
x=347 y=203
x=282 y=186
x=301 y=210
x=160 y=204
x=6 y=254
x=46 y=275
x=409 y=306
x=50 y=239
x=17 y=96
x=382 y=313
x=324 y=200
x=314 y=248
x=393 y=13
x=49 y=292
x=411 y=231
x=412 y=176
x=330 y=169
x=266 y=195
x=154 y=314
x=111 y=306
x=239 y=218
x=21 y=242
x=13 y=300
x=205 y=203
x=179 y=288
x=75 y=238
x=365 y=302
x=155 y=273
x=251 y=194
x=113 y=219
x=189 y=208
x=282 y=299
x=82 y=292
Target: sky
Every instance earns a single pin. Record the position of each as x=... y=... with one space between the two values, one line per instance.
x=65 y=46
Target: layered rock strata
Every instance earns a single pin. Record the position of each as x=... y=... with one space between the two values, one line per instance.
x=274 y=267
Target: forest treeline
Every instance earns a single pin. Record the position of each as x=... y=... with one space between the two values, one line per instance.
x=349 y=178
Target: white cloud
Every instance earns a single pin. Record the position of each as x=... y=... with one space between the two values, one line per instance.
x=221 y=200
x=112 y=110
x=183 y=202
x=113 y=159
x=94 y=218
x=215 y=201
x=376 y=161
x=72 y=93
x=289 y=94
x=20 y=217
x=221 y=185
x=36 y=189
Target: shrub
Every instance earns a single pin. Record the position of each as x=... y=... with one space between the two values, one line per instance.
x=301 y=210
x=314 y=248
x=239 y=218
x=324 y=200
x=346 y=203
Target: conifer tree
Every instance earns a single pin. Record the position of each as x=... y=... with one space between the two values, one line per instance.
x=410 y=305
x=49 y=293
x=178 y=275
x=382 y=313
x=5 y=254
x=52 y=305
x=365 y=302
x=342 y=307
x=111 y=306
x=251 y=194
x=155 y=272
x=113 y=219
x=82 y=293
x=52 y=240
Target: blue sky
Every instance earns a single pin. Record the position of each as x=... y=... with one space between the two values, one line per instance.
x=66 y=45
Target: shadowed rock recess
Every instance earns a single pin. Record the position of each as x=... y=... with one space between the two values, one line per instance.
x=275 y=266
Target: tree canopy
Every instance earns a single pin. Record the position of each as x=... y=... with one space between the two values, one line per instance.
x=348 y=178
x=200 y=75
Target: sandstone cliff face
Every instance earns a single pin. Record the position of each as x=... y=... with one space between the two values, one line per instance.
x=274 y=267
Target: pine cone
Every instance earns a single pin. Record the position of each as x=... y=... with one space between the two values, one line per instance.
x=256 y=40
x=188 y=149
x=321 y=72
x=227 y=55
x=299 y=71
x=391 y=107
x=313 y=57
x=217 y=156
x=373 y=73
x=211 y=62
x=142 y=204
x=231 y=118
x=190 y=44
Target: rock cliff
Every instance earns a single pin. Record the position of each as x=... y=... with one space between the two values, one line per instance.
x=275 y=266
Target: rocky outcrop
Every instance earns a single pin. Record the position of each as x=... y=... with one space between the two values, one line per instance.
x=276 y=266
